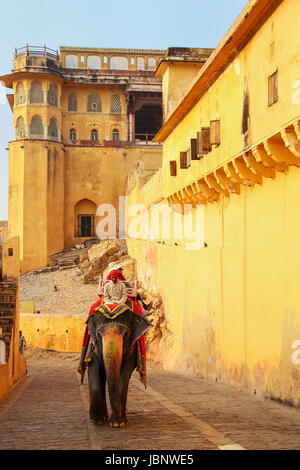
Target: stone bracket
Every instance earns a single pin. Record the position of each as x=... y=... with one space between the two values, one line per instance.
x=263 y=160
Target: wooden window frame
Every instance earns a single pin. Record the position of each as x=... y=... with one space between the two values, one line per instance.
x=215 y=132
x=173 y=168
x=94 y=133
x=72 y=132
x=79 y=232
x=203 y=141
x=116 y=133
x=273 y=95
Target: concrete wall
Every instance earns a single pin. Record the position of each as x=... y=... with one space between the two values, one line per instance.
x=233 y=306
x=57 y=332
x=15 y=368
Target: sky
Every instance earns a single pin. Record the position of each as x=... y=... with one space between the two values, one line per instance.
x=156 y=24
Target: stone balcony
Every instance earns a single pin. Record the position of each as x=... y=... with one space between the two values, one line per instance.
x=36 y=59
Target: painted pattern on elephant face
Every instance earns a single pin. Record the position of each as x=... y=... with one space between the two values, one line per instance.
x=112 y=346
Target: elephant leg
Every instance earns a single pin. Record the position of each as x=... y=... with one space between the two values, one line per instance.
x=125 y=376
x=97 y=381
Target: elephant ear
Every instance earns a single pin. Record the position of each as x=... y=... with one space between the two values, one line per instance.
x=91 y=327
x=139 y=326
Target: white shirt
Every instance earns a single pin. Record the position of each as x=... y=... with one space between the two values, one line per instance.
x=2 y=353
x=115 y=293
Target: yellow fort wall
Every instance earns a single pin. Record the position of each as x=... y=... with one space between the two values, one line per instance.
x=233 y=307
x=57 y=332
x=15 y=368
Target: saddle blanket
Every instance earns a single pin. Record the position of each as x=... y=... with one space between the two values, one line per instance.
x=112 y=311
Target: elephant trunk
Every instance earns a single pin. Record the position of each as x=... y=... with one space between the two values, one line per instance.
x=112 y=346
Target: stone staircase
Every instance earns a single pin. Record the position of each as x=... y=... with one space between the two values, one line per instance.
x=68 y=259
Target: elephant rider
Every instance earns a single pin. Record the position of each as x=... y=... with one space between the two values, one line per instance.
x=114 y=293
x=115 y=290
x=146 y=308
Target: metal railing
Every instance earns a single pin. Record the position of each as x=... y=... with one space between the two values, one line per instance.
x=145 y=137
x=36 y=51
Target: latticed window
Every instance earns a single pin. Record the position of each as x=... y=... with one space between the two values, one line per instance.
x=52 y=95
x=86 y=225
x=140 y=63
x=118 y=63
x=115 y=134
x=73 y=134
x=151 y=63
x=20 y=94
x=36 y=93
x=94 y=135
x=115 y=104
x=94 y=104
x=72 y=102
x=20 y=128
x=52 y=130
x=36 y=128
x=93 y=62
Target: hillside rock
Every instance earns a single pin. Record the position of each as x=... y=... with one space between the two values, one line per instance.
x=97 y=259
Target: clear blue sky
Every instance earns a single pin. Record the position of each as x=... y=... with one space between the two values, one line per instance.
x=157 y=24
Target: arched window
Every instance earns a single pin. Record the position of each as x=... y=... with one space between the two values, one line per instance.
x=71 y=62
x=115 y=134
x=36 y=128
x=93 y=62
x=94 y=135
x=151 y=63
x=52 y=130
x=73 y=134
x=115 y=104
x=52 y=95
x=118 y=63
x=36 y=94
x=20 y=94
x=84 y=218
x=72 y=102
x=94 y=103
x=20 y=128
x=140 y=63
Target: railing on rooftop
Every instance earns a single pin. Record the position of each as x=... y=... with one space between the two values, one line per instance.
x=147 y=137
x=36 y=51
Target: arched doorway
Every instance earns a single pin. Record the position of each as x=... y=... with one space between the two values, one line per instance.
x=84 y=218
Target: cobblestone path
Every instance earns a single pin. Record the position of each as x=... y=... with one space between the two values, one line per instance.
x=49 y=410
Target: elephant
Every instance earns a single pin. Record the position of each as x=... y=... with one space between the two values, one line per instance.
x=114 y=358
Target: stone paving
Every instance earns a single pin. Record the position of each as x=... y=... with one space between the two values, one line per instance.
x=49 y=410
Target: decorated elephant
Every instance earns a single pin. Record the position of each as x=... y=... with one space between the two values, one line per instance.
x=115 y=337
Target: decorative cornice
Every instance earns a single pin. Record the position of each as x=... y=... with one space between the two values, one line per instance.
x=273 y=154
x=112 y=50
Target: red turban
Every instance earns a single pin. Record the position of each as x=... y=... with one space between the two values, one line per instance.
x=114 y=273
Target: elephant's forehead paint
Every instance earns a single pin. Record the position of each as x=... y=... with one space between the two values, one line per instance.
x=112 y=346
